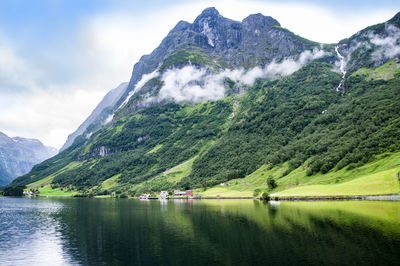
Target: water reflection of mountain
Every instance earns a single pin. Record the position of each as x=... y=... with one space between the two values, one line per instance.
x=229 y=232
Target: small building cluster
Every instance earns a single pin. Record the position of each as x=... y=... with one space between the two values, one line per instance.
x=144 y=196
x=164 y=194
x=30 y=193
x=224 y=184
x=177 y=193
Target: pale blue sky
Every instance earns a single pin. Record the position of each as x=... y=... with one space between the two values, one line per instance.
x=59 y=57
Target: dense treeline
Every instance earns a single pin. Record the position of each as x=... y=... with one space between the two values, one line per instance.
x=13 y=191
x=182 y=130
x=303 y=120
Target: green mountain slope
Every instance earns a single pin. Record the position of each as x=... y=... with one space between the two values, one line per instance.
x=291 y=129
x=299 y=120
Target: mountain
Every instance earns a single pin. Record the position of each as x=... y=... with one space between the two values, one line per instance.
x=249 y=103
x=373 y=46
x=217 y=43
x=211 y=40
x=18 y=156
x=99 y=114
x=221 y=42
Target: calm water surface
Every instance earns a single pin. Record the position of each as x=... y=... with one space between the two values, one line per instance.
x=209 y=232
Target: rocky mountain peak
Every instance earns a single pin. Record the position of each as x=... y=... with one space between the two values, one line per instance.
x=232 y=44
x=217 y=29
x=209 y=12
x=207 y=21
x=181 y=26
x=259 y=21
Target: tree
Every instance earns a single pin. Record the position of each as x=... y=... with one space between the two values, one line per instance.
x=14 y=191
x=271 y=183
x=265 y=196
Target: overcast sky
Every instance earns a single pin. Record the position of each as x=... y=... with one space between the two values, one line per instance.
x=58 y=58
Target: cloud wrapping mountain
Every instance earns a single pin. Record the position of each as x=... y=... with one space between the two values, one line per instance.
x=193 y=84
x=389 y=46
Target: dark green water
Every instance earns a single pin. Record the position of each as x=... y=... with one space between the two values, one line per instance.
x=209 y=232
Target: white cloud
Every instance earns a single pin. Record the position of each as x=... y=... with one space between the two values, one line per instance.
x=15 y=73
x=47 y=115
x=389 y=46
x=192 y=84
x=145 y=78
x=34 y=104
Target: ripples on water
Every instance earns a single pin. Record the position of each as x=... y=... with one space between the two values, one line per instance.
x=30 y=234
x=209 y=232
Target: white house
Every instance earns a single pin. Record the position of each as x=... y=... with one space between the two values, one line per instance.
x=164 y=194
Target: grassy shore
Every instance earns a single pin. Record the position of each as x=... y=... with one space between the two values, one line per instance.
x=55 y=192
x=378 y=177
x=381 y=183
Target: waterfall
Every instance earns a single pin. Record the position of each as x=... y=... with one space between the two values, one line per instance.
x=342 y=69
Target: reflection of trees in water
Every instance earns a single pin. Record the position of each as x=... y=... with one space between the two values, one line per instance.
x=220 y=232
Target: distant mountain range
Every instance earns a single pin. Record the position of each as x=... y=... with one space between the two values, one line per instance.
x=18 y=156
x=222 y=100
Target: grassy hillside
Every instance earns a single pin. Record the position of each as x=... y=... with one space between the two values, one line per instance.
x=378 y=177
x=300 y=120
x=297 y=131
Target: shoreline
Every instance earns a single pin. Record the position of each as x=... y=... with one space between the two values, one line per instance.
x=333 y=198
x=395 y=197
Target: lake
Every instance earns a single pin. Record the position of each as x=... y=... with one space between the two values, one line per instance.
x=73 y=231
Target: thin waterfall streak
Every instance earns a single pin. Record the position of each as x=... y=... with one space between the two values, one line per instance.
x=342 y=69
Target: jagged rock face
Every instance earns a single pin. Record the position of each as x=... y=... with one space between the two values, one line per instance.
x=257 y=40
x=220 y=33
x=18 y=156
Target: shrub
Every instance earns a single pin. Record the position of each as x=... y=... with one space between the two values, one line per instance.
x=13 y=191
x=271 y=183
x=265 y=196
